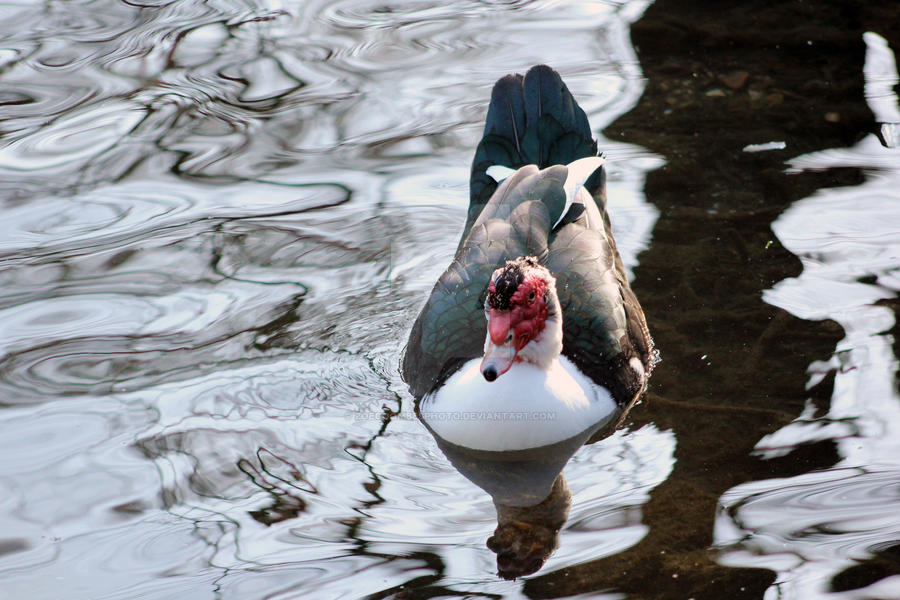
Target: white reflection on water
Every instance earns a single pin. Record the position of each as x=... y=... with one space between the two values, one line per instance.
x=810 y=527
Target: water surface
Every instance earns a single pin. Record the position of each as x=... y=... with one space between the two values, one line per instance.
x=220 y=219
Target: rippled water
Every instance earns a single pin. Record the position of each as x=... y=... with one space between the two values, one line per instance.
x=218 y=222
x=813 y=527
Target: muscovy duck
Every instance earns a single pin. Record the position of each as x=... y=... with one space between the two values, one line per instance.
x=532 y=336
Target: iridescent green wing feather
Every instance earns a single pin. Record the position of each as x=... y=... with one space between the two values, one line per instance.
x=451 y=327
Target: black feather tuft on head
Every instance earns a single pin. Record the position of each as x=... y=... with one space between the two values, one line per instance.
x=506 y=281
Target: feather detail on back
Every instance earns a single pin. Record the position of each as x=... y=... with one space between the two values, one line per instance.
x=551 y=207
x=498 y=172
x=578 y=173
x=531 y=120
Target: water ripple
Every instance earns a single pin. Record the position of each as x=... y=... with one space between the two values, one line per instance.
x=813 y=527
x=185 y=69
x=828 y=516
x=353 y=14
x=72 y=138
x=153 y=315
x=132 y=210
x=219 y=219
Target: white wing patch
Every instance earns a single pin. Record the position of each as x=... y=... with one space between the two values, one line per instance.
x=579 y=172
x=499 y=172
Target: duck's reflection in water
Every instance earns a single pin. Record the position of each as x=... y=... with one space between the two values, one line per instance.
x=529 y=492
x=526 y=536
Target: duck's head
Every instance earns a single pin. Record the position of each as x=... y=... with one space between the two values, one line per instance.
x=523 y=317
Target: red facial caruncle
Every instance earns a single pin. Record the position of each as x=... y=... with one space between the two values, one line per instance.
x=514 y=320
x=526 y=315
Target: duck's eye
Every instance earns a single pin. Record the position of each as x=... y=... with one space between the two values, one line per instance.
x=531 y=297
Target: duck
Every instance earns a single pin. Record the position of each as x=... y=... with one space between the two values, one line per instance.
x=532 y=337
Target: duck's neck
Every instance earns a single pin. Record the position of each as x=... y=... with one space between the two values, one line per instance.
x=545 y=349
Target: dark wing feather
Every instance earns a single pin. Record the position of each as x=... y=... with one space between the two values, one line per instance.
x=534 y=120
x=451 y=328
x=599 y=310
x=531 y=120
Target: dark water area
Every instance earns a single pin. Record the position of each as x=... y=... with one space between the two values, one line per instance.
x=220 y=219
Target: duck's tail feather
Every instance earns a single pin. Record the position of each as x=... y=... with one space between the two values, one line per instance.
x=531 y=120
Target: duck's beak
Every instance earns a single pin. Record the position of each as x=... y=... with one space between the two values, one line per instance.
x=500 y=351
